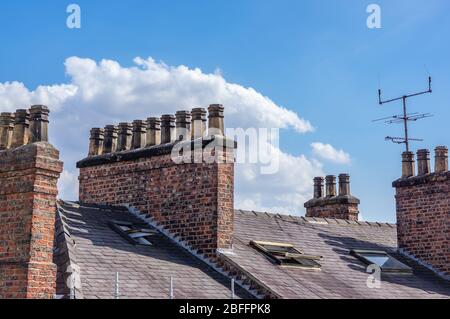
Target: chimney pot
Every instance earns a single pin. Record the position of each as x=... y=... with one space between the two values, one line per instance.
x=423 y=162
x=183 y=125
x=124 y=136
x=153 y=131
x=344 y=185
x=331 y=185
x=39 y=123
x=6 y=130
x=216 y=120
x=198 y=123
x=167 y=129
x=318 y=187
x=21 y=131
x=441 y=159
x=110 y=139
x=139 y=134
x=408 y=164
x=96 y=141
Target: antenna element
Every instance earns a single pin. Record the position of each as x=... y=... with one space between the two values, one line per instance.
x=405 y=117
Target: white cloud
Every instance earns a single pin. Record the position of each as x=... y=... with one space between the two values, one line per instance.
x=68 y=184
x=329 y=153
x=104 y=93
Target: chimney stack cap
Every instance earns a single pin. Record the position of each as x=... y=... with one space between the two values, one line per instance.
x=441 y=149
x=96 y=131
x=318 y=180
x=199 y=113
x=22 y=117
x=183 y=117
x=423 y=153
x=168 y=119
x=125 y=126
x=111 y=129
x=7 y=119
x=40 y=109
x=216 y=110
x=153 y=121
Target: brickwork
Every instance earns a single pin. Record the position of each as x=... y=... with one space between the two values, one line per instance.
x=28 y=190
x=423 y=218
x=334 y=208
x=332 y=205
x=193 y=201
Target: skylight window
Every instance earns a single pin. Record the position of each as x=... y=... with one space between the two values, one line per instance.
x=286 y=255
x=136 y=234
x=387 y=263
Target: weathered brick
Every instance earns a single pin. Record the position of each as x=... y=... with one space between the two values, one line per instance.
x=28 y=189
x=192 y=201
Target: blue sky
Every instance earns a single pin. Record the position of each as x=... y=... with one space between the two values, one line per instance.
x=316 y=58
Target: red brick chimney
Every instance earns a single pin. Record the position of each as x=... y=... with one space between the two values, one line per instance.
x=192 y=200
x=29 y=171
x=423 y=210
x=331 y=204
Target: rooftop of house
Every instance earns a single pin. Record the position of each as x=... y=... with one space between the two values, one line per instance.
x=87 y=243
x=86 y=239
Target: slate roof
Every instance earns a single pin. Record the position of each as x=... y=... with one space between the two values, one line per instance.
x=341 y=275
x=84 y=238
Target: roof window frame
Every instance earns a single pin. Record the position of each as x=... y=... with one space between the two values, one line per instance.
x=292 y=259
x=136 y=227
x=360 y=254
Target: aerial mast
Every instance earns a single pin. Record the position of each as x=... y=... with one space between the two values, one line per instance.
x=406 y=117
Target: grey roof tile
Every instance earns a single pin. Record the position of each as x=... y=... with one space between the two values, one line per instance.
x=144 y=272
x=341 y=275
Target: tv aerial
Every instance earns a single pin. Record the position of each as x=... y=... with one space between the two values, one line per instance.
x=404 y=118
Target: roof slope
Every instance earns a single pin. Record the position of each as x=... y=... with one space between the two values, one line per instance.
x=341 y=275
x=85 y=239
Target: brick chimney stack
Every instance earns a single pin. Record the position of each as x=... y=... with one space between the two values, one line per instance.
x=342 y=206
x=193 y=200
x=423 y=219
x=29 y=172
x=6 y=130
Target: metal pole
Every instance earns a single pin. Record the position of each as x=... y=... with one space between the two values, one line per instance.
x=116 y=295
x=232 y=289
x=171 y=288
x=72 y=286
x=405 y=120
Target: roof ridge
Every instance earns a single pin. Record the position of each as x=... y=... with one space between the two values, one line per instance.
x=316 y=220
